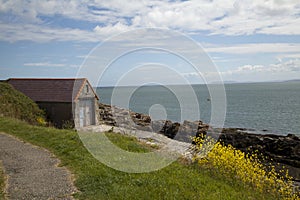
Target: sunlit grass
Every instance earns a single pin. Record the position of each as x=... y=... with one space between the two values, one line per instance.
x=97 y=181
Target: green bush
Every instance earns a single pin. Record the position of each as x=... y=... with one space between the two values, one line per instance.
x=15 y=104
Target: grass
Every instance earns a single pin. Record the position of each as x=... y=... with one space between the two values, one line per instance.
x=2 y=182
x=97 y=181
x=15 y=104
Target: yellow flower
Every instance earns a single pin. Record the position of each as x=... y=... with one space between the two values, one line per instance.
x=41 y=121
x=248 y=168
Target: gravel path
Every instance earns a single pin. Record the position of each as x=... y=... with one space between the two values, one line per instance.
x=172 y=146
x=32 y=171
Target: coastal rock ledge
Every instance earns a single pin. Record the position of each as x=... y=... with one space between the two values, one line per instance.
x=278 y=149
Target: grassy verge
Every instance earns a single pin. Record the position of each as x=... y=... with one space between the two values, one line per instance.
x=15 y=104
x=2 y=182
x=97 y=181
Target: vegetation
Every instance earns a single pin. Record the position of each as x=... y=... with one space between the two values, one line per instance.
x=2 y=183
x=15 y=104
x=69 y=124
x=97 y=181
x=236 y=165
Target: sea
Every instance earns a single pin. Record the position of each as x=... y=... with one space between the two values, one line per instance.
x=264 y=108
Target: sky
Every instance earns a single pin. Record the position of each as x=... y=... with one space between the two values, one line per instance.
x=246 y=40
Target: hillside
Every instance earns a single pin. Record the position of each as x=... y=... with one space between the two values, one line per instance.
x=15 y=104
x=95 y=180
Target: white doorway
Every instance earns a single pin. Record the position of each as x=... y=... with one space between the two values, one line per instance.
x=86 y=112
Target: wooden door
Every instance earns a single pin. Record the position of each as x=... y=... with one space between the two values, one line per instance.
x=86 y=112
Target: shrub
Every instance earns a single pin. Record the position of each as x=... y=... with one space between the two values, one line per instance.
x=235 y=164
x=68 y=124
x=16 y=105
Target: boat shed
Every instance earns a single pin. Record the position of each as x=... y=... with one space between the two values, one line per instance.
x=65 y=101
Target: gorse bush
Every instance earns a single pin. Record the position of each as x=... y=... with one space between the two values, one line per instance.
x=237 y=165
x=15 y=104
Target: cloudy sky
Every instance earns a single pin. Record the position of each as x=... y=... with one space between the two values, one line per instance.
x=247 y=40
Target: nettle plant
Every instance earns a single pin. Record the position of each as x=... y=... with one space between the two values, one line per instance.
x=245 y=167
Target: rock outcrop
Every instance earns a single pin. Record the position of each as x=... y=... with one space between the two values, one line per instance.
x=284 y=150
x=115 y=116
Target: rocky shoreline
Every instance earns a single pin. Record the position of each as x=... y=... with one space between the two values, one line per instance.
x=278 y=149
x=284 y=150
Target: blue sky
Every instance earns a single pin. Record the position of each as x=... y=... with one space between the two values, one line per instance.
x=247 y=40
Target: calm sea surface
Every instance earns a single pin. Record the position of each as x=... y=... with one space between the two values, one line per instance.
x=261 y=107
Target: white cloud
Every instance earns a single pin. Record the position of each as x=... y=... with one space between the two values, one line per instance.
x=296 y=55
x=249 y=69
x=291 y=27
x=112 y=29
x=281 y=67
x=274 y=72
x=32 y=32
x=259 y=16
x=254 y=48
x=288 y=66
x=48 y=64
x=217 y=17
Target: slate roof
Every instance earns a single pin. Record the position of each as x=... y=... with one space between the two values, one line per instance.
x=49 y=90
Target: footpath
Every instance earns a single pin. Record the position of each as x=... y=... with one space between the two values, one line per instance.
x=33 y=172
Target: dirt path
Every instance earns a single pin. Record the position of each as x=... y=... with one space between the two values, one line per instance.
x=32 y=171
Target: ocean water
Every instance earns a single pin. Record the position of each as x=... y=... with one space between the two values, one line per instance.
x=259 y=107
